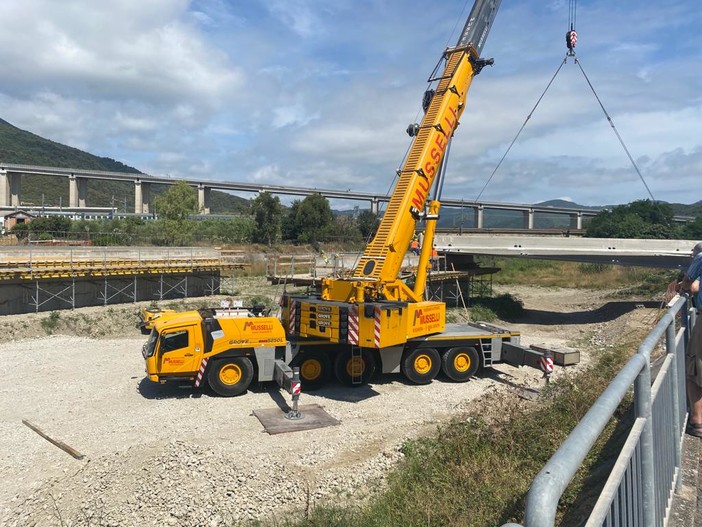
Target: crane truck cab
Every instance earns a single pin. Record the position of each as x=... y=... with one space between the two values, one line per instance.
x=226 y=349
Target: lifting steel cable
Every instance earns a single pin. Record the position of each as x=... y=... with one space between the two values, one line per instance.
x=616 y=132
x=571 y=41
x=519 y=132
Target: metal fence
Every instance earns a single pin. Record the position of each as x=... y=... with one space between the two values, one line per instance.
x=640 y=487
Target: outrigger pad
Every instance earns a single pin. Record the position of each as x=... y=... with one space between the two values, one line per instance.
x=275 y=422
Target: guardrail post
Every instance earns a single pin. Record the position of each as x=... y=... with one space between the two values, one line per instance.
x=670 y=349
x=642 y=407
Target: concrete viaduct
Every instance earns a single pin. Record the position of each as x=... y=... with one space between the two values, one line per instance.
x=10 y=193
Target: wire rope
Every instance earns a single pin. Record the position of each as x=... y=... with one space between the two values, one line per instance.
x=520 y=131
x=616 y=132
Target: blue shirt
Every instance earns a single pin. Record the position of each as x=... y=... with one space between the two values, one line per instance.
x=694 y=272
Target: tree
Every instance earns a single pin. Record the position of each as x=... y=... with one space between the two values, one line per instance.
x=177 y=203
x=268 y=214
x=313 y=218
x=693 y=231
x=52 y=226
x=367 y=222
x=289 y=229
x=639 y=219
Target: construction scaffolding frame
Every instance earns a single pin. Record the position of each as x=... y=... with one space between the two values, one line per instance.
x=70 y=277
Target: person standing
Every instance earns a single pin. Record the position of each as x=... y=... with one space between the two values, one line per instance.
x=693 y=360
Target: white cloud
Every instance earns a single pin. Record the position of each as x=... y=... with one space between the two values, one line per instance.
x=318 y=94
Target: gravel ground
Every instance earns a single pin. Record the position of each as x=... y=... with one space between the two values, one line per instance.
x=162 y=455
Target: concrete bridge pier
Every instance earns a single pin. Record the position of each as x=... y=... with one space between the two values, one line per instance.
x=478 y=221
x=528 y=219
x=10 y=187
x=77 y=191
x=142 y=197
x=374 y=206
x=203 y=199
x=576 y=220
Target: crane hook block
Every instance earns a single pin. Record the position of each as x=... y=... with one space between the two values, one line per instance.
x=571 y=39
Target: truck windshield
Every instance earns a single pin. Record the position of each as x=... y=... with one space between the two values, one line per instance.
x=150 y=345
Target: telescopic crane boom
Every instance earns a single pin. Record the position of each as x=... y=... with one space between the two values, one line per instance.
x=376 y=275
x=373 y=315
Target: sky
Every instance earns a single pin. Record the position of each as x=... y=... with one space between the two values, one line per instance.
x=319 y=93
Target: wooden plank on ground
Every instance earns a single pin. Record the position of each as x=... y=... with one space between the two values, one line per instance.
x=63 y=446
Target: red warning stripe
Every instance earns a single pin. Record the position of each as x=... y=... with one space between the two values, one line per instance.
x=353 y=325
x=201 y=372
x=376 y=328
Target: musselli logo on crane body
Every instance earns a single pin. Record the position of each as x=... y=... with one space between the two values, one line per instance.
x=447 y=126
x=426 y=318
x=257 y=327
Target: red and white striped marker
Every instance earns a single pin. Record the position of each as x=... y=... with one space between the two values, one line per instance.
x=201 y=372
x=296 y=388
x=376 y=328
x=546 y=364
x=353 y=325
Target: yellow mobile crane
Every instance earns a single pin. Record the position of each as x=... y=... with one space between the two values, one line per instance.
x=353 y=323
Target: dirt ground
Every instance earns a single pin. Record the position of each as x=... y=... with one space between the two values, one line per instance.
x=158 y=455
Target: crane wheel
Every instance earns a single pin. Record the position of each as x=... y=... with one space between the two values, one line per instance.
x=315 y=369
x=421 y=365
x=354 y=369
x=230 y=376
x=460 y=364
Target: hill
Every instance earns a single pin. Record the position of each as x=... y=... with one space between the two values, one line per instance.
x=25 y=148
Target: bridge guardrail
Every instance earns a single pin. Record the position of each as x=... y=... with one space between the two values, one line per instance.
x=641 y=485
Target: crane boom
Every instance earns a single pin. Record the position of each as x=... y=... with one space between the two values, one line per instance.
x=383 y=257
x=374 y=308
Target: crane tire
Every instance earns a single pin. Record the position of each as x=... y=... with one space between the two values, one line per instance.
x=421 y=365
x=354 y=370
x=230 y=376
x=460 y=364
x=315 y=369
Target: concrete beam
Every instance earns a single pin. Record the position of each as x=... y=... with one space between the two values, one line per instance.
x=673 y=254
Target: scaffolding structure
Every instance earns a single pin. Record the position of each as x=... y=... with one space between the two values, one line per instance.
x=57 y=276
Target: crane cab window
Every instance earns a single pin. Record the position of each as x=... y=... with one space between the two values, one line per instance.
x=174 y=341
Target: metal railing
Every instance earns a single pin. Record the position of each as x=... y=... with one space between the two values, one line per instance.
x=640 y=487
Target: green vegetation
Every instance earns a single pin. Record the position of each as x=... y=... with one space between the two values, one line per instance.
x=645 y=219
x=25 y=148
x=268 y=213
x=476 y=470
x=545 y=273
x=51 y=322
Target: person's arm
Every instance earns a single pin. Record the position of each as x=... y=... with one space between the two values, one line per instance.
x=693 y=274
